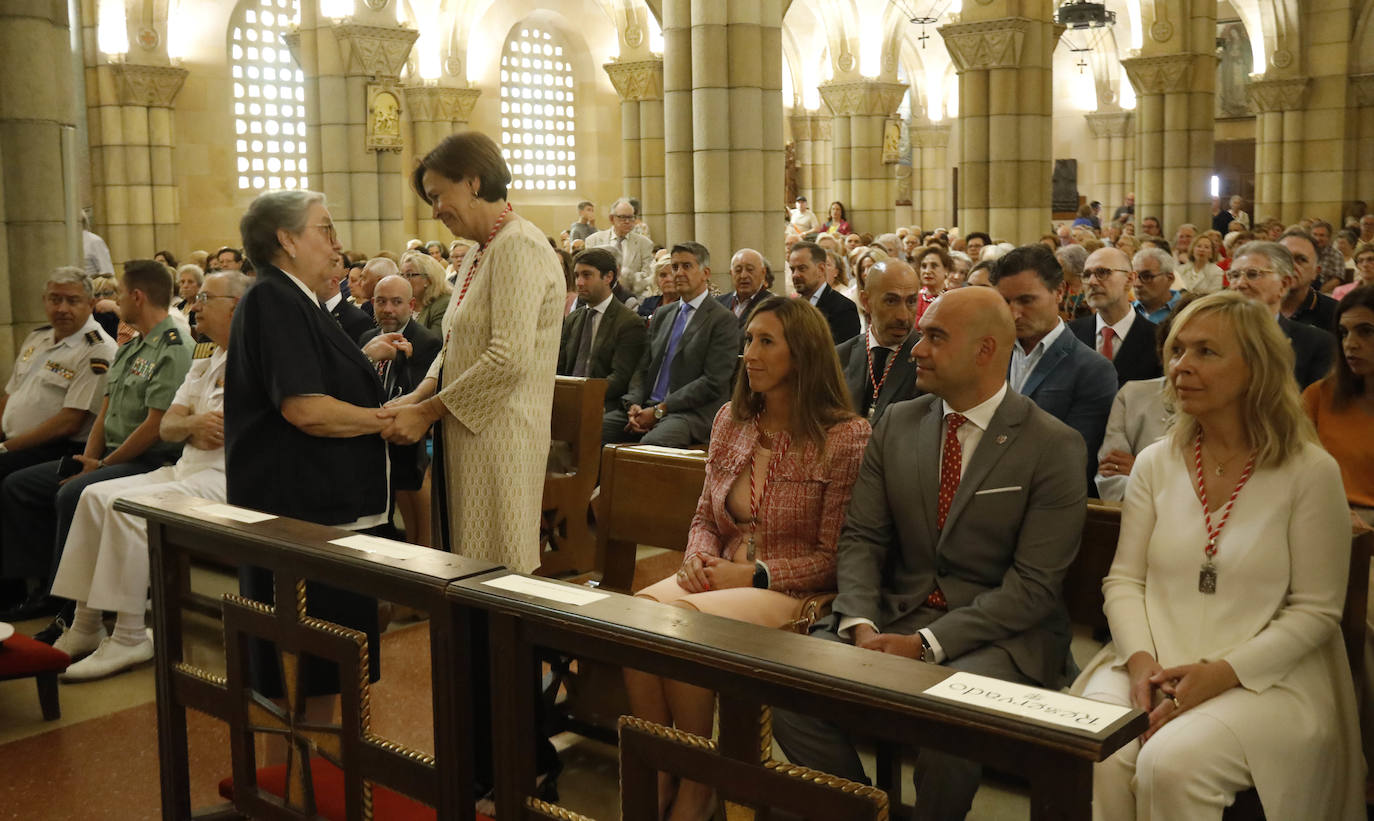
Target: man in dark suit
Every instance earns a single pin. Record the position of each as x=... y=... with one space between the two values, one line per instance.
x=1066 y=378
x=1263 y=272
x=1304 y=303
x=1115 y=330
x=965 y=517
x=810 y=267
x=878 y=366
x=752 y=278
x=350 y=317
x=602 y=339
x=684 y=375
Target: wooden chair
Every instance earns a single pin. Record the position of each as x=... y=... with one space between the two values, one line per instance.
x=566 y=542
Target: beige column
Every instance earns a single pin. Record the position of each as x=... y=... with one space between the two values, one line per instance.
x=811 y=132
x=1279 y=132
x=153 y=219
x=722 y=100
x=1361 y=99
x=931 y=206
x=1114 y=133
x=860 y=111
x=435 y=113
x=640 y=85
x=1002 y=52
x=350 y=69
x=38 y=177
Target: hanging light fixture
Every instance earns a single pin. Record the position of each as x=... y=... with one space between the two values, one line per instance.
x=922 y=14
x=1085 y=17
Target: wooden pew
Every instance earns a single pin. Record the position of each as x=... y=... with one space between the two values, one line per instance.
x=648 y=496
x=181 y=529
x=566 y=543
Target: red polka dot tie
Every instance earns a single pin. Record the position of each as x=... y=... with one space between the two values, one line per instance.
x=949 y=466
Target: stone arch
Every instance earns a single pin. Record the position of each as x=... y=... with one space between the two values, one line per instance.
x=465 y=16
x=1362 y=41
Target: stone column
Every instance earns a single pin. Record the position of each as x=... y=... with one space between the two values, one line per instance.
x=1004 y=117
x=435 y=113
x=1115 y=166
x=722 y=98
x=1174 y=136
x=811 y=132
x=1361 y=98
x=930 y=178
x=1279 y=147
x=38 y=177
x=640 y=85
x=867 y=188
x=348 y=67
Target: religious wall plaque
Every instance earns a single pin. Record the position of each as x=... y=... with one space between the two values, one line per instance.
x=383 y=117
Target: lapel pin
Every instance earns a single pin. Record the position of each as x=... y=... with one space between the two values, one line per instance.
x=1001 y=439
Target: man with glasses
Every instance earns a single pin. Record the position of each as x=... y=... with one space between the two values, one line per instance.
x=634 y=250
x=1303 y=302
x=1115 y=330
x=1263 y=272
x=1154 y=276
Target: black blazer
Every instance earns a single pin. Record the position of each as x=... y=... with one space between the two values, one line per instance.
x=616 y=350
x=409 y=371
x=1313 y=351
x=728 y=300
x=1317 y=310
x=700 y=379
x=351 y=318
x=841 y=313
x=649 y=305
x=899 y=386
x=284 y=344
x=1136 y=355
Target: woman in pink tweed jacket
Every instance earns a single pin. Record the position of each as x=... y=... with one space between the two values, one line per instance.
x=785 y=452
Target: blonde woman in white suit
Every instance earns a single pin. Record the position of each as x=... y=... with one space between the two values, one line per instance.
x=1236 y=653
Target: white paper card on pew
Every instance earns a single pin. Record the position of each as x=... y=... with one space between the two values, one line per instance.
x=238 y=514
x=1025 y=701
x=576 y=596
x=669 y=451
x=390 y=548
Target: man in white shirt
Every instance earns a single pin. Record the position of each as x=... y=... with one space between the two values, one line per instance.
x=94 y=251
x=964 y=569
x=1114 y=329
x=804 y=220
x=634 y=250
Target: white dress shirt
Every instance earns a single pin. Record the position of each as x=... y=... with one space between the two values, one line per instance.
x=597 y=312
x=816 y=297
x=1023 y=362
x=1120 y=329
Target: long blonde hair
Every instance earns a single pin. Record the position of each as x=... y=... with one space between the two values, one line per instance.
x=1271 y=408
x=430 y=267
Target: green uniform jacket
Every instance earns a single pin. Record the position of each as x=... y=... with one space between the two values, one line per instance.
x=145 y=375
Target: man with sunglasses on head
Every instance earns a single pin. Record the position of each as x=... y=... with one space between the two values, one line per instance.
x=1154 y=277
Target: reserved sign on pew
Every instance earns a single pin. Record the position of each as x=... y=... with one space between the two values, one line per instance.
x=1025 y=701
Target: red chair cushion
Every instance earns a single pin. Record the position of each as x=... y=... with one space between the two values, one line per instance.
x=329 y=794
x=21 y=656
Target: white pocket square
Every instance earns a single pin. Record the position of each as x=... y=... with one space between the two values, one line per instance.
x=993 y=490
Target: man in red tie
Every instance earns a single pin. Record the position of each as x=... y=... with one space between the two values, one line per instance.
x=966 y=571
x=1115 y=329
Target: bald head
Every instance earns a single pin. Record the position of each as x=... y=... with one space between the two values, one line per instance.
x=890 y=297
x=965 y=347
x=392 y=303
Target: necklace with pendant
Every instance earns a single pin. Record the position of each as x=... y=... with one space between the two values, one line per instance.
x=1207 y=576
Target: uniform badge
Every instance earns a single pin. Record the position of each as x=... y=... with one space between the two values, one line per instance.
x=93 y=337
x=1001 y=439
x=59 y=369
x=27 y=354
x=203 y=350
x=172 y=336
x=141 y=368
x=99 y=366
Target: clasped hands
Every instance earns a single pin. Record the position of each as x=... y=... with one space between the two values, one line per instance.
x=1167 y=693
x=406 y=419
x=700 y=573
x=642 y=420
x=895 y=644
x=384 y=347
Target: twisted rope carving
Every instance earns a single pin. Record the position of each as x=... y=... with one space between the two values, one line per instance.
x=553 y=810
x=201 y=674
x=670 y=733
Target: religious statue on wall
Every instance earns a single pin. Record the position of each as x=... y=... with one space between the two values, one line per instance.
x=1235 y=61
x=790 y=174
x=892 y=141
x=383 y=118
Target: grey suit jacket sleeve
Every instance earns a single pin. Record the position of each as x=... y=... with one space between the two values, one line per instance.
x=1094 y=391
x=868 y=536
x=1046 y=545
x=722 y=351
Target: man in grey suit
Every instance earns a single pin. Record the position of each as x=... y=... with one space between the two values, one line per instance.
x=964 y=519
x=684 y=376
x=602 y=339
x=878 y=366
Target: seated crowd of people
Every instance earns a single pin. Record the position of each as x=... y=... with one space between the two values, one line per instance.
x=918 y=429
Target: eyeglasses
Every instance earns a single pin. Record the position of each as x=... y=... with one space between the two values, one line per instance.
x=1252 y=274
x=202 y=297
x=1103 y=273
x=330 y=232
x=1146 y=277
x=416 y=275
x=623 y=217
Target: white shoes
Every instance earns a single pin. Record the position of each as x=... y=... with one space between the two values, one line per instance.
x=109 y=658
x=77 y=644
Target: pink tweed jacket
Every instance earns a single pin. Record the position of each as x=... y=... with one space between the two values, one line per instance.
x=802 y=511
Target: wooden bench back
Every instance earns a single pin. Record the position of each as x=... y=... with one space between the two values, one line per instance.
x=566 y=542
x=648 y=497
x=578 y=405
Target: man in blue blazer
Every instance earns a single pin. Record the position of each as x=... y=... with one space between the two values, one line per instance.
x=1066 y=378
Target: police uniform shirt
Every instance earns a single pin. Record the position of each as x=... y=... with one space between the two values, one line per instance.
x=49 y=376
x=203 y=392
x=145 y=376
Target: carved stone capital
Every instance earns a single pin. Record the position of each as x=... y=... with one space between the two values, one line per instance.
x=986 y=43
x=930 y=135
x=1277 y=95
x=811 y=127
x=637 y=80
x=864 y=97
x=375 y=51
x=438 y=104
x=1111 y=123
x=155 y=86
x=1164 y=74
x=1362 y=89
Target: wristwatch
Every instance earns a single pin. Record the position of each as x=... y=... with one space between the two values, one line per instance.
x=760 y=576
x=927 y=652
x=659 y=412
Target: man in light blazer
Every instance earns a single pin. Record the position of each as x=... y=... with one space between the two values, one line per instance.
x=965 y=517
x=602 y=339
x=684 y=375
x=1066 y=378
x=878 y=366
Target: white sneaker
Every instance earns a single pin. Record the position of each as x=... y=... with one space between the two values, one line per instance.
x=110 y=658
x=76 y=644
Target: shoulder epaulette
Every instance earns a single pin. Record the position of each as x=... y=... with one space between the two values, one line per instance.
x=99 y=366
x=203 y=350
x=93 y=338
x=172 y=336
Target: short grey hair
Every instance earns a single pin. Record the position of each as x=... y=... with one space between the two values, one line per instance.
x=383 y=266
x=236 y=281
x=71 y=275
x=1166 y=261
x=194 y=270
x=891 y=243
x=269 y=212
x=624 y=201
x=1278 y=256
x=1072 y=258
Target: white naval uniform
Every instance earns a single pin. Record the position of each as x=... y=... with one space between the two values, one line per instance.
x=49 y=376
x=105 y=562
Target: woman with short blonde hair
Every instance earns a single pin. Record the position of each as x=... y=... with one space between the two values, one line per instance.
x=429 y=286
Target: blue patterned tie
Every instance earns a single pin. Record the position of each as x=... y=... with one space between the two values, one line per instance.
x=674 y=337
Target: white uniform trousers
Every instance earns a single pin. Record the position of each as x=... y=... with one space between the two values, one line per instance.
x=105 y=561
x=1190 y=770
